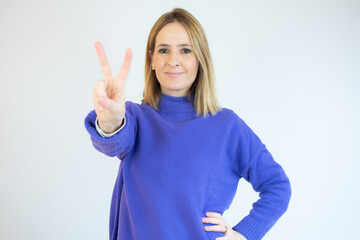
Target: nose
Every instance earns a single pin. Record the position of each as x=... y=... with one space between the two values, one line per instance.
x=173 y=60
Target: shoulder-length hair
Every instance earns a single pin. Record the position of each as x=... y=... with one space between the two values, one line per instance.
x=203 y=88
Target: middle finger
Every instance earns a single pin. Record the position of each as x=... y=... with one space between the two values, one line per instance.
x=215 y=228
x=212 y=220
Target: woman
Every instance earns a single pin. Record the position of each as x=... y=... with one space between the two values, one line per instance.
x=181 y=154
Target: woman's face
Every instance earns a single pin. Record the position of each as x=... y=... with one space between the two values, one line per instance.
x=174 y=60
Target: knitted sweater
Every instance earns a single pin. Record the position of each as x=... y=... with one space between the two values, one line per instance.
x=176 y=166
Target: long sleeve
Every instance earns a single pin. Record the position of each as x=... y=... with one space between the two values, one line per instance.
x=119 y=144
x=257 y=166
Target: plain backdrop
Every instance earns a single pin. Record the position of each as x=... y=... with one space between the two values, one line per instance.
x=290 y=69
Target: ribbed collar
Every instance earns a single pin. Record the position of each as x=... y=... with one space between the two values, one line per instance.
x=170 y=104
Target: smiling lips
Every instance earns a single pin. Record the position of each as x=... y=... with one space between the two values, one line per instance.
x=174 y=74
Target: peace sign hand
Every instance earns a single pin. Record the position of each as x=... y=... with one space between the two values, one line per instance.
x=109 y=94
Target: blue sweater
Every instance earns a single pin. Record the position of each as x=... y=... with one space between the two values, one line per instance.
x=176 y=166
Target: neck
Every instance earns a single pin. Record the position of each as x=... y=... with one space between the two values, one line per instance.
x=171 y=104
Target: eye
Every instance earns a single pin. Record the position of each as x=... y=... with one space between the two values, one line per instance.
x=163 y=50
x=186 y=50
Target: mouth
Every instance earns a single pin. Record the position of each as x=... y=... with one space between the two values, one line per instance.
x=174 y=74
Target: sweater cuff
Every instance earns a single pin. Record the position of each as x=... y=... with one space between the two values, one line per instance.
x=108 y=135
x=250 y=228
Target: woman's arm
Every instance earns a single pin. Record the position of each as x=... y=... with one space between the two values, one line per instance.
x=257 y=166
x=121 y=142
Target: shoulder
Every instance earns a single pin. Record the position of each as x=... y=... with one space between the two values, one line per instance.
x=235 y=124
x=138 y=109
x=135 y=107
x=132 y=105
x=230 y=116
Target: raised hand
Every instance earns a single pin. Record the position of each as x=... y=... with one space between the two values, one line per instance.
x=109 y=94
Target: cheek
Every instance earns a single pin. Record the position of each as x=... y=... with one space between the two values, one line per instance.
x=158 y=61
x=192 y=65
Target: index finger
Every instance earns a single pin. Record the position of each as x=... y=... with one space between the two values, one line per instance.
x=104 y=65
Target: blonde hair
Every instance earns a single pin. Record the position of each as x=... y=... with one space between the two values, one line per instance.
x=203 y=88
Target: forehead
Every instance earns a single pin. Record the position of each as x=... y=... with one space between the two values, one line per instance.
x=172 y=33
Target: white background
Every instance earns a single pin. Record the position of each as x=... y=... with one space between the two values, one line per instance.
x=290 y=69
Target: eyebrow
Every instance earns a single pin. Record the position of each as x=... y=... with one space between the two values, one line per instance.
x=179 y=45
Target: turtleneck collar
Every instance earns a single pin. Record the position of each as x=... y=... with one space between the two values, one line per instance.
x=170 y=104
